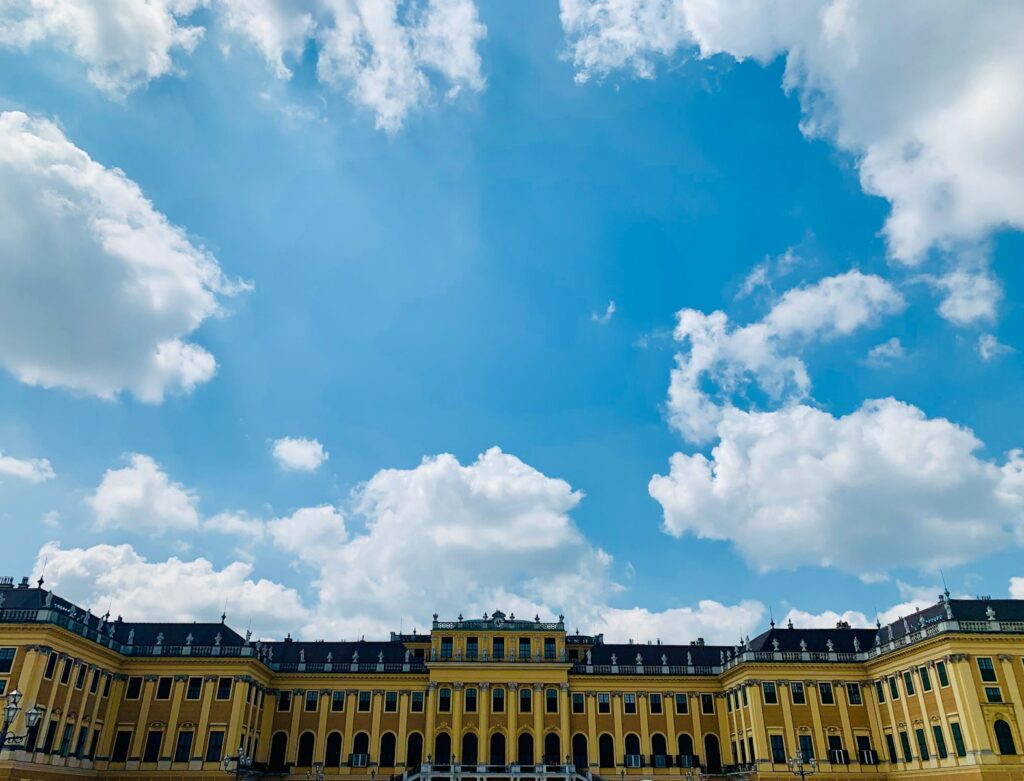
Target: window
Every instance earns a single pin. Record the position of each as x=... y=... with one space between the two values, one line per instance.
x=604 y=703
x=993 y=694
x=853 y=694
x=194 y=689
x=908 y=683
x=958 y=739
x=828 y=697
x=415 y=705
x=987 y=669
x=444 y=700
x=549 y=648
x=879 y=691
x=922 y=744
x=6 y=659
x=743 y=694
x=525 y=699
x=183 y=751
x=391 y=701
x=890 y=744
x=163 y=687
x=151 y=753
x=682 y=703
x=472 y=648
x=83 y=733
x=655 y=702
x=707 y=704
x=312 y=700
x=284 y=701
x=498 y=700
x=926 y=679
x=106 y=684
x=778 y=746
x=806 y=747
x=94 y=684
x=940 y=741
x=905 y=742
x=51 y=665
x=224 y=688
x=524 y=648
x=446 y=648
x=940 y=668
x=65 y=672
x=365 y=697
x=122 y=743
x=215 y=746
x=338 y=701
x=80 y=678
x=629 y=703
x=498 y=647
x=771 y=696
x=551 y=701
x=894 y=690
x=578 y=702
x=134 y=688
x=1004 y=738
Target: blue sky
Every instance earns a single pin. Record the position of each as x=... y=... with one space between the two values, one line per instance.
x=398 y=284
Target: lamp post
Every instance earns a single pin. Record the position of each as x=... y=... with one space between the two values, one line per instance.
x=11 y=711
x=694 y=774
x=315 y=773
x=243 y=763
x=800 y=767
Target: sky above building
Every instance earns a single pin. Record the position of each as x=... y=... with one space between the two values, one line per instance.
x=670 y=316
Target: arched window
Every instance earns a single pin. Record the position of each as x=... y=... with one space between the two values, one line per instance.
x=579 y=750
x=470 y=753
x=552 y=749
x=332 y=756
x=525 y=752
x=658 y=745
x=1004 y=738
x=632 y=744
x=442 y=749
x=685 y=743
x=307 y=741
x=606 y=751
x=414 y=750
x=278 y=750
x=712 y=754
x=361 y=744
x=498 y=749
x=387 y=750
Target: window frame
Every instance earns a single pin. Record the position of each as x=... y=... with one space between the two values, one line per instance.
x=855 y=699
x=629 y=707
x=770 y=692
x=826 y=686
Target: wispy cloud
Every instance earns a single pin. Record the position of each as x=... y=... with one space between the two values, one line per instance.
x=606 y=316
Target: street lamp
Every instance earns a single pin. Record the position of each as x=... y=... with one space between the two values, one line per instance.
x=243 y=762
x=694 y=774
x=798 y=766
x=11 y=710
x=316 y=773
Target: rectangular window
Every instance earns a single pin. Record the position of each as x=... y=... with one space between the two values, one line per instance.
x=163 y=687
x=958 y=739
x=806 y=747
x=853 y=694
x=987 y=669
x=391 y=701
x=525 y=699
x=707 y=704
x=498 y=700
x=415 y=704
x=578 y=702
x=654 y=700
x=151 y=753
x=134 y=688
x=194 y=690
x=771 y=696
x=604 y=703
x=92 y=743
x=894 y=690
x=106 y=684
x=215 y=746
x=65 y=740
x=743 y=694
x=879 y=691
x=80 y=678
x=926 y=679
x=524 y=648
x=551 y=701
x=51 y=665
x=796 y=688
x=905 y=742
x=312 y=700
x=224 y=688
x=122 y=744
x=908 y=683
x=940 y=741
x=472 y=648
x=183 y=751
x=993 y=694
x=365 y=699
x=446 y=648
x=940 y=668
x=922 y=744
x=444 y=700
x=83 y=735
x=94 y=684
x=65 y=672
x=778 y=745
x=51 y=735
x=498 y=648
x=682 y=703
x=890 y=744
x=629 y=703
x=338 y=701
x=549 y=648
x=284 y=701
x=828 y=697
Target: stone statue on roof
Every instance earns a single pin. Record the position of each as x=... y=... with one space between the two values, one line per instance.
x=131 y=637
x=856 y=645
x=639 y=659
x=829 y=645
x=803 y=644
x=689 y=659
x=217 y=638
x=302 y=655
x=380 y=657
x=159 y=638
x=188 y=639
x=775 y=644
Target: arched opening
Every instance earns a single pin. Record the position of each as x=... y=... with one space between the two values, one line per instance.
x=579 y=750
x=712 y=754
x=552 y=749
x=659 y=750
x=632 y=758
x=332 y=755
x=307 y=741
x=685 y=745
x=1004 y=738
x=278 y=750
x=386 y=758
x=524 y=754
x=606 y=751
x=443 y=749
x=470 y=752
x=361 y=750
x=498 y=749
x=414 y=750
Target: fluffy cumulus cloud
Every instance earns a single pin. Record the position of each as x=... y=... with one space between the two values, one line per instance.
x=720 y=360
x=912 y=598
x=880 y=488
x=141 y=497
x=171 y=590
x=34 y=470
x=886 y=353
x=98 y=291
x=927 y=96
x=1017 y=588
x=299 y=453
x=990 y=348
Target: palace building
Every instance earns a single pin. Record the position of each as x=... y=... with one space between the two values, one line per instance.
x=937 y=694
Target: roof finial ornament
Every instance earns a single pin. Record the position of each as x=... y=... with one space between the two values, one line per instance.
x=216 y=639
x=460 y=617
x=830 y=645
x=990 y=614
x=789 y=624
x=803 y=644
x=188 y=639
x=536 y=618
x=775 y=644
x=856 y=645
x=302 y=655
x=131 y=637
x=689 y=659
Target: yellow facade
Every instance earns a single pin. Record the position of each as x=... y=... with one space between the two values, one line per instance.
x=498 y=696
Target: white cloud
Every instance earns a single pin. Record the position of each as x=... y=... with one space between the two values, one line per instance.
x=311 y=533
x=886 y=353
x=299 y=453
x=912 y=598
x=825 y=620
x=731 y=358
x=605 y=317
x=968 y=296
x=1017 y=588
x=879 y=489
x=124 y=43
x=711 y=620
x=51 y=518
x=141 y=497
x=236 y=523
x=34 y=470
x=927 y=103
x=990 y=348
x=765 y=273
x=98 y=291
x=171 y=590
